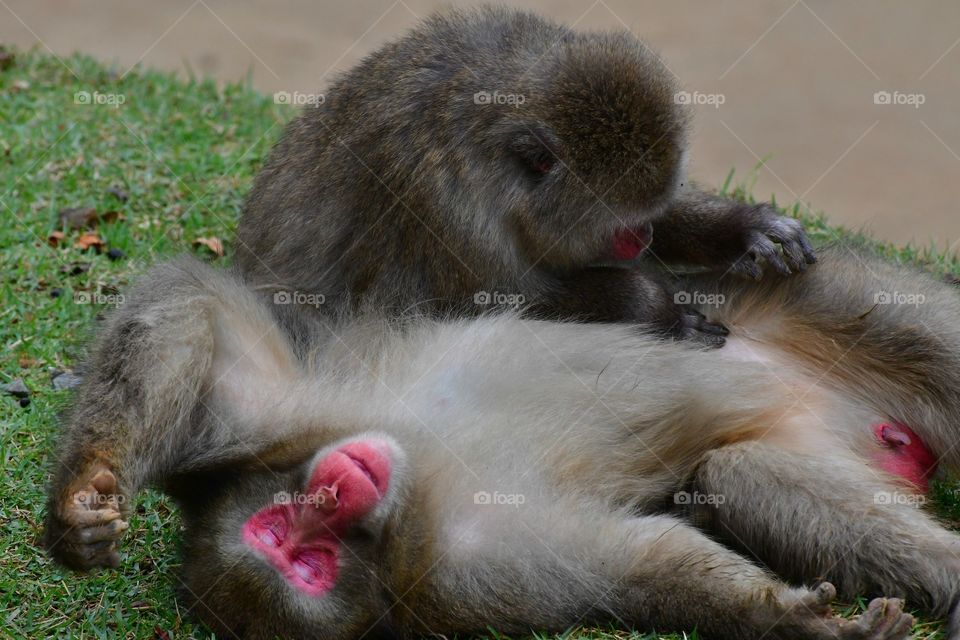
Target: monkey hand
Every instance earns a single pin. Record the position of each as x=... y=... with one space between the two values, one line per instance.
x=87 y=519
x=808 y=614
x=693 y=325
x=779 y=241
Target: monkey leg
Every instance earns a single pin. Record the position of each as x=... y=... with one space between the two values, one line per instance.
x=674 y=577
x=647 y=572
x=163 y=377
x=828 y=517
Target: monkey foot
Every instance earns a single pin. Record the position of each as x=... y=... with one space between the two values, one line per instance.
x=87 y=523
x=809 y=615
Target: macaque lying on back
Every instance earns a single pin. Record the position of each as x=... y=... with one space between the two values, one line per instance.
x=523 y=475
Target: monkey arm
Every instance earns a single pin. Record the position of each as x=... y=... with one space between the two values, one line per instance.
x=188 y=373
x=710 y=230
x=611 y=294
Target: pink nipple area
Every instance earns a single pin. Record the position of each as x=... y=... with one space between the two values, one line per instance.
x=902 y=453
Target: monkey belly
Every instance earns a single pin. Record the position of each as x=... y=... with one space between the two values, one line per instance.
x=903 y=454
x=896 y=448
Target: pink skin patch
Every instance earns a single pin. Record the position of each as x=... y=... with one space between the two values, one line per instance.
x=904 y=455
x=301 y=539
x=630 y=243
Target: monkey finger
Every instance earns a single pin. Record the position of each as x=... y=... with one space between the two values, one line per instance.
x=90 y=517
x=110 y=531
x=748 y=267
x=714 y=328
x=767 y=249
x=793 y=252
x=807 y=248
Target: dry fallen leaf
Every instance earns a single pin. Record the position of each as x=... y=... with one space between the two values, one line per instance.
x=89 y=240
x=55 y=238
x=6 y=59
x=212 y=243
x=80 y=217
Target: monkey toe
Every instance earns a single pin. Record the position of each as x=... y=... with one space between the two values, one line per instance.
x=110 y=532
x=884 y=619
x=820 y=598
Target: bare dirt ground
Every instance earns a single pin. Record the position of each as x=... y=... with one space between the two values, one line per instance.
x=853 y=104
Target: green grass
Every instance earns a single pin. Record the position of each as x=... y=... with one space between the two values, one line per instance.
x=185 y=153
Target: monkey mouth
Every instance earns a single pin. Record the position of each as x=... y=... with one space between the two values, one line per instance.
x=627 y=245
x=365 y=470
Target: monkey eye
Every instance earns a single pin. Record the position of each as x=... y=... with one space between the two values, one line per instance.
x=273 y=534
x=533 y=150
x=268 y=526
x=313 y=565
x=544 y=165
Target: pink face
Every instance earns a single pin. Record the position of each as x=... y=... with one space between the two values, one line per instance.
x=301 y=538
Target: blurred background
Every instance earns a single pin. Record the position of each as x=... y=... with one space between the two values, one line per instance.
x=851 y=107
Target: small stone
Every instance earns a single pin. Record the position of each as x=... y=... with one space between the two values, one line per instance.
x=115 y=254
x=17 y=388
x=67 y=380
x=24 y=402
x=119 y=194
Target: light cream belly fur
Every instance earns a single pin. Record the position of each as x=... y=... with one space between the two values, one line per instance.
x=819 y=417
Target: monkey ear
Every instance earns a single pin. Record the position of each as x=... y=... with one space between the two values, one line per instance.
x=535 y=146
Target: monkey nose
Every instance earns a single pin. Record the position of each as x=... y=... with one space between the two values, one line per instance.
x=327 y=499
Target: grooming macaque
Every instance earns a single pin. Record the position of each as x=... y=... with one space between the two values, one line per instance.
x=493 y=154
x=529 y=475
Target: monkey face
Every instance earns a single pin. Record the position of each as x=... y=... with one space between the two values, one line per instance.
x=598 y=148
x=296 y=553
